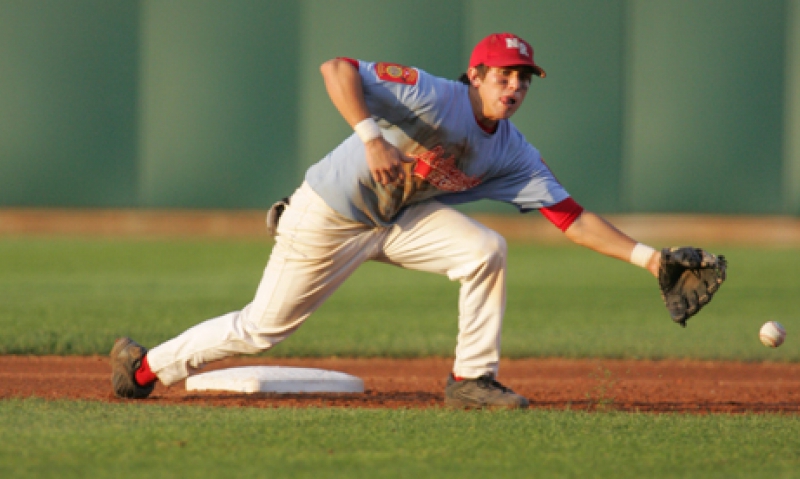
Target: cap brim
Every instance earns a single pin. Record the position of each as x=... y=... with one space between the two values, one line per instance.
x=538 y=71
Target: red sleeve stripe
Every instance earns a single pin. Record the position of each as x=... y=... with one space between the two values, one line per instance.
x=563 y=213
x=350 y=61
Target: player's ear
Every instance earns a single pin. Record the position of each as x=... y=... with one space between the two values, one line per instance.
x=474 y=77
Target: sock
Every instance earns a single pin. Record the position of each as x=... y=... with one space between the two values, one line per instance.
x=144 y=376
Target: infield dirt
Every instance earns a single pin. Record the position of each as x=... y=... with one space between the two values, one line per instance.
x=645 y=386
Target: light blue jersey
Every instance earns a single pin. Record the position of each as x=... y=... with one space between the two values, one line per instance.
x=430 y=119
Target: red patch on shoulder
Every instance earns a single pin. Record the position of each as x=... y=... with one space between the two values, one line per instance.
x=396 y=73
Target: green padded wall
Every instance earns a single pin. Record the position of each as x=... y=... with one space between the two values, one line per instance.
x=68 y=102
x=219 y=101
x=704 y=102
x=791 y=154
x=649 y=105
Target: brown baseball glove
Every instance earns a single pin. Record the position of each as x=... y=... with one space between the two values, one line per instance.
x=688 y=278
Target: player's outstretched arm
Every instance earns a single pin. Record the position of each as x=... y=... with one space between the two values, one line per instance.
x=344 y=87
x=594 y=232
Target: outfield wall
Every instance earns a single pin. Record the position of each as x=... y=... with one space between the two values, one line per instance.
x=649 y=106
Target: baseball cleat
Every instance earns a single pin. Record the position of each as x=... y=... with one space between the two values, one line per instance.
x=483 y=392
x=126 y=358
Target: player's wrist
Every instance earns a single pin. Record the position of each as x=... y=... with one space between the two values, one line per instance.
x=368 y=130
x=641 y=255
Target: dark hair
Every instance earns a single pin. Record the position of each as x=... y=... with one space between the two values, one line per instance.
x=482 y=69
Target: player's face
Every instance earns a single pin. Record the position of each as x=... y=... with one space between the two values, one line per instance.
x=502 y=92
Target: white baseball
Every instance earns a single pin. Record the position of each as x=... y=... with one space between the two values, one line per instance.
x=772 y=334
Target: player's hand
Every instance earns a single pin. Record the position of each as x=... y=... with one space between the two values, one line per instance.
x=385 y=161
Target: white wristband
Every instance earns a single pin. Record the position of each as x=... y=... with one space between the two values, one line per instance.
x=368 y=130
x=641 y=254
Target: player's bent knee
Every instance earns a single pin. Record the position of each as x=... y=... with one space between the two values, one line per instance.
x=492 y=248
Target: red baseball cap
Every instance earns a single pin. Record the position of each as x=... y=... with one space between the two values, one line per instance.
x=504 y=50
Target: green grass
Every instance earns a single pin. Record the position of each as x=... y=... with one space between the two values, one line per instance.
x=74 y=296
x=82 y=439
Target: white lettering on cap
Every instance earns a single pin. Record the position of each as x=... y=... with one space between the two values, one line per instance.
x=515 y=43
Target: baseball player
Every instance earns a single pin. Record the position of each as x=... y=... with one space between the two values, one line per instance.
x=420 y=144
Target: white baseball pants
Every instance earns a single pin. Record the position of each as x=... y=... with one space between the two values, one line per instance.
x=317 y=249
